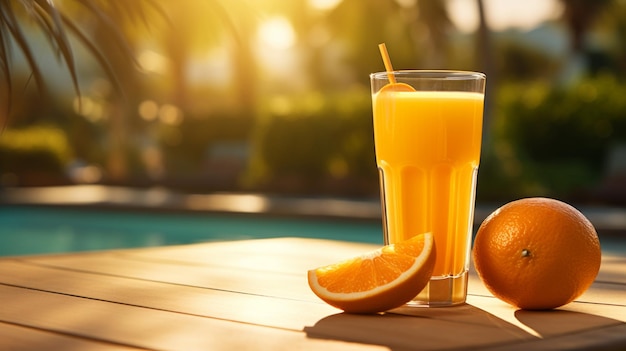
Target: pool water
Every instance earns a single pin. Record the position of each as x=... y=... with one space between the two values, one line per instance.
x=37 y=230
x=26 y=230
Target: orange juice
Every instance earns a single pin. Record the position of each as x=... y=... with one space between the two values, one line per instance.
x=428 y=151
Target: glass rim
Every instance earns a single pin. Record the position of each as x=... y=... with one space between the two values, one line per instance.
x=430 y=74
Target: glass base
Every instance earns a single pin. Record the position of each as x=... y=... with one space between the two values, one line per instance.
x=442 y=292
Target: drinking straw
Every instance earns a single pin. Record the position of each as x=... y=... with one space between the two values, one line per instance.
x=387 y=61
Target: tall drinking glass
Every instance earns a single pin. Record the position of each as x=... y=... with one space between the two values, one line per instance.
x=427 y=133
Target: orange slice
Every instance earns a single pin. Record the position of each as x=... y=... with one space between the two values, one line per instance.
x=377 y=281
x=396 y=87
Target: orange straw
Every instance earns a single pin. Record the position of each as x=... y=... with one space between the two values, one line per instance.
x=387 y=62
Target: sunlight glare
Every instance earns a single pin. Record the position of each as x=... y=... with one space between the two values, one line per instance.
x=213 y=67
x=324 y=5
x=319 y=36
x=406 y=3
x=280 y=105
x=228 y=202
x=148 y=110
x=89 y=108
x=277 y=33
x=502 y=15
x=170 y=114
x=153 y=62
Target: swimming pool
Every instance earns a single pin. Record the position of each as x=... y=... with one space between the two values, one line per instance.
x=28 y=230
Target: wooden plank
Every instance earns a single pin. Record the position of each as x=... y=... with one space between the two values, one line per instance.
x=462 y=327
x=286 y=255
x=262 y=284
x=21 y=338
x=144 y=327
x=610 y=338
x=268 y=283
x=270 y=257
x=613 y=269
x=482 y=323
x=148 y=328
x=600 y=292
x=222 y=304
x=571 y=318
x=295 y=255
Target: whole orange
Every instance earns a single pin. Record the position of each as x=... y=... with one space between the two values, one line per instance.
x=537 y=253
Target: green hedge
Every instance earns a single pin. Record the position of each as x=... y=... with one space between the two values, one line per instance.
x=545 y=140
x=550 y=140
x=34 y=149
x=314 y=139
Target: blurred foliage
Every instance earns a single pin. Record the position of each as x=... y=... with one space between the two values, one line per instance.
x=297 y=119
x=19 y=20
x=185 y=147
x=38 y=148
x=520 y=62
x=553 y=141
x=309 y=142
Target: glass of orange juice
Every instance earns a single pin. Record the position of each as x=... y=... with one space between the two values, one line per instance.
x=427 y=133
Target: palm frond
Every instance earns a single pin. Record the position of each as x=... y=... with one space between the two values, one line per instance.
x=138 y=9
x=5 y=53
x=10 y=24
x=49 y=19
x=95 y=51
x=58 y=27
x=107 y=21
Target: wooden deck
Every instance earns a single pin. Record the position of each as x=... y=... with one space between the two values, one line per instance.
x=253 y=295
